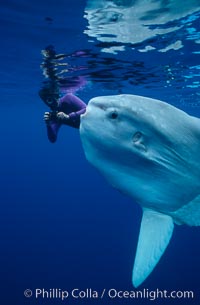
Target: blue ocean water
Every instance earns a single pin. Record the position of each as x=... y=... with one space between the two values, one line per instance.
x=62 y=226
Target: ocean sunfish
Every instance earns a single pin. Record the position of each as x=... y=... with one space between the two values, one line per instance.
x=149 y=150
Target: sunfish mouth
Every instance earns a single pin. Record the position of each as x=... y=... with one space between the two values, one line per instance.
x=84 y=114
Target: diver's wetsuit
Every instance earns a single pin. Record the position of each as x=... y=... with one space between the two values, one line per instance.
x=70 y=105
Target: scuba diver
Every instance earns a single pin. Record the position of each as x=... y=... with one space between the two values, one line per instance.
x=65 y=110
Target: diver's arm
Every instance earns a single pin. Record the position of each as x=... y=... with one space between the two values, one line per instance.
x=73 y=117
x=62 y=117
x=71 y=99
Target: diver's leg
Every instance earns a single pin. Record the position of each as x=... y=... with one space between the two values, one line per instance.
x=52 y=131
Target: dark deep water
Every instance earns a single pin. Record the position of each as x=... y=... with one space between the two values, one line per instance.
x=62 y=225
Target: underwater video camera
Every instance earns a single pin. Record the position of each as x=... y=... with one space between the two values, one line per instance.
x=53 y=115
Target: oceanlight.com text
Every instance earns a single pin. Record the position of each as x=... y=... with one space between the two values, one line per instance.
x=90 y=293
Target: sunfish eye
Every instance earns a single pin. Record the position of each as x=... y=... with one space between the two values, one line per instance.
x=114 y=115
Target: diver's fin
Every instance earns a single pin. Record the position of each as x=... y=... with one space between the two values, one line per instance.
x=155 y=233
x=189 y=214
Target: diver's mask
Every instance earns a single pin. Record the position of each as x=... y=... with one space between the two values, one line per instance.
x=50 y=99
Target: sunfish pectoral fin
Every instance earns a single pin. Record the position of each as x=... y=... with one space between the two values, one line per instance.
x=155 y=233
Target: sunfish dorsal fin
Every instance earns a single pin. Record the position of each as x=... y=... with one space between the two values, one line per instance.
x=155 y=233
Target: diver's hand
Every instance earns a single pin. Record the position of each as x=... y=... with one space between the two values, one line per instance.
x=62 y=117
x=47 y=117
